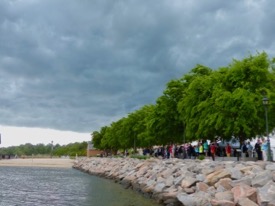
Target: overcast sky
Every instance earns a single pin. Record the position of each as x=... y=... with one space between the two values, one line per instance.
x=72 y=65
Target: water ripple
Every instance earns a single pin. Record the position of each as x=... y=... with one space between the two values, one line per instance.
x=62 y=187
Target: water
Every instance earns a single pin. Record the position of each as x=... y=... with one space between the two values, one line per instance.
x=53 y=186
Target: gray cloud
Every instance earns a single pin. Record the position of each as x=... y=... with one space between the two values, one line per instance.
x=79 y=65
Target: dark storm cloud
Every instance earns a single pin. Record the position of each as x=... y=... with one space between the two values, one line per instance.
x=79 y=65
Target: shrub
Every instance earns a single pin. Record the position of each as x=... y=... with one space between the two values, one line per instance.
x=137 y=156
x=201 y=157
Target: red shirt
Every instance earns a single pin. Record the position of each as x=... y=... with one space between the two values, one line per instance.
x=228 y=149
x=213 y=149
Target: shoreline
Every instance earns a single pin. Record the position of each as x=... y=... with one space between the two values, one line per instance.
x=176 y=182
x=37 y=162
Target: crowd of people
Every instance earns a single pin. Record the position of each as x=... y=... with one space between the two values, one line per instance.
x=205 y=149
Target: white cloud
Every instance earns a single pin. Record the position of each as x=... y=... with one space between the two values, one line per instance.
x=14 y=136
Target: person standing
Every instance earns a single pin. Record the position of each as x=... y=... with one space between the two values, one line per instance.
x=196 y=148
x=249 y=149
x=200 y=149
x=213 y=151
x=264 y=148
x=244 y=150
x=205 y=148
x=228 y=150
x=258 y=149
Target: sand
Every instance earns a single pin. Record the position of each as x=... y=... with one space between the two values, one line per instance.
x=39 y=162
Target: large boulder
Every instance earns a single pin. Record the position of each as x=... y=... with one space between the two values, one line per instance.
x=261 y=178
x=225 y=183
x=270 y=167
x=201 y=186
x=246 y=202
x=266 y=194
x=244 y=191
x=188 y=182
x=214 y=177
x=195 y=199
x=227 y=195
x=215 y=202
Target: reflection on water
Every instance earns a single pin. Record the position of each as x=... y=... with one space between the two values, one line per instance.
x=54 y=186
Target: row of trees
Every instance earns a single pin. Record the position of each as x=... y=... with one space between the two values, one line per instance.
x=41 y=149
x=203 y=104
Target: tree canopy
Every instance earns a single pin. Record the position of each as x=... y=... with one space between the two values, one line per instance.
x=201 y=105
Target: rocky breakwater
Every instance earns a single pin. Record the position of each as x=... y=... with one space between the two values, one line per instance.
x=190 y=182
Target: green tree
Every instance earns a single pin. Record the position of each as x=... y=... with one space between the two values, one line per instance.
x=165 y=123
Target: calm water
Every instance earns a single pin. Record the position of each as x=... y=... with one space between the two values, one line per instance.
x=51 y=186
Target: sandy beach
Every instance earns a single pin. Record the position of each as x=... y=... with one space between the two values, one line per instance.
x=39 y=162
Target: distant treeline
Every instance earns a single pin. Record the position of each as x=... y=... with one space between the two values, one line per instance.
x=41 y=149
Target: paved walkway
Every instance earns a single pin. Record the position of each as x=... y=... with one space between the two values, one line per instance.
x=234 y=159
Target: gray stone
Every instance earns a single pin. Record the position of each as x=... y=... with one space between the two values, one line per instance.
x=236 y=174
x=222 y=203
x=200 y=177
x=225 y=183
x=214 y=177
x=201 y=186
x=261 y=178
x=244 y=180
x=256 y=169
x=188 y=182
x=243 y=191
x=266 y=194
x=168 y=172
x=195 y=199
x=177 y=180
x=227 y=195
x=246 y=202
x=169 y=181
x=159 y=187
x=270 y=167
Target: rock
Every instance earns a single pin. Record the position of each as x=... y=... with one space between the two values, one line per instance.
x=227 y=195
x=159 y=187
x=242 y=191
x=236 y=174
x=256 y=169
x=167 y=173
x=178 y=180
x=245 y=202
x=212 y=191
x=266 y=194
x=247 y=170
x=225 y=183
x=168 y=196
x=270 y=167
x=220 y=189
x=245 y=180
x=189 y=190
x=214 y=177
x=188 y=182
x=222 y=203
x=169 y=181
x=195 y=199
x=201 y=186
x=261 y=178
x=186 y=199
x=200 y=177
x=208 y=171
